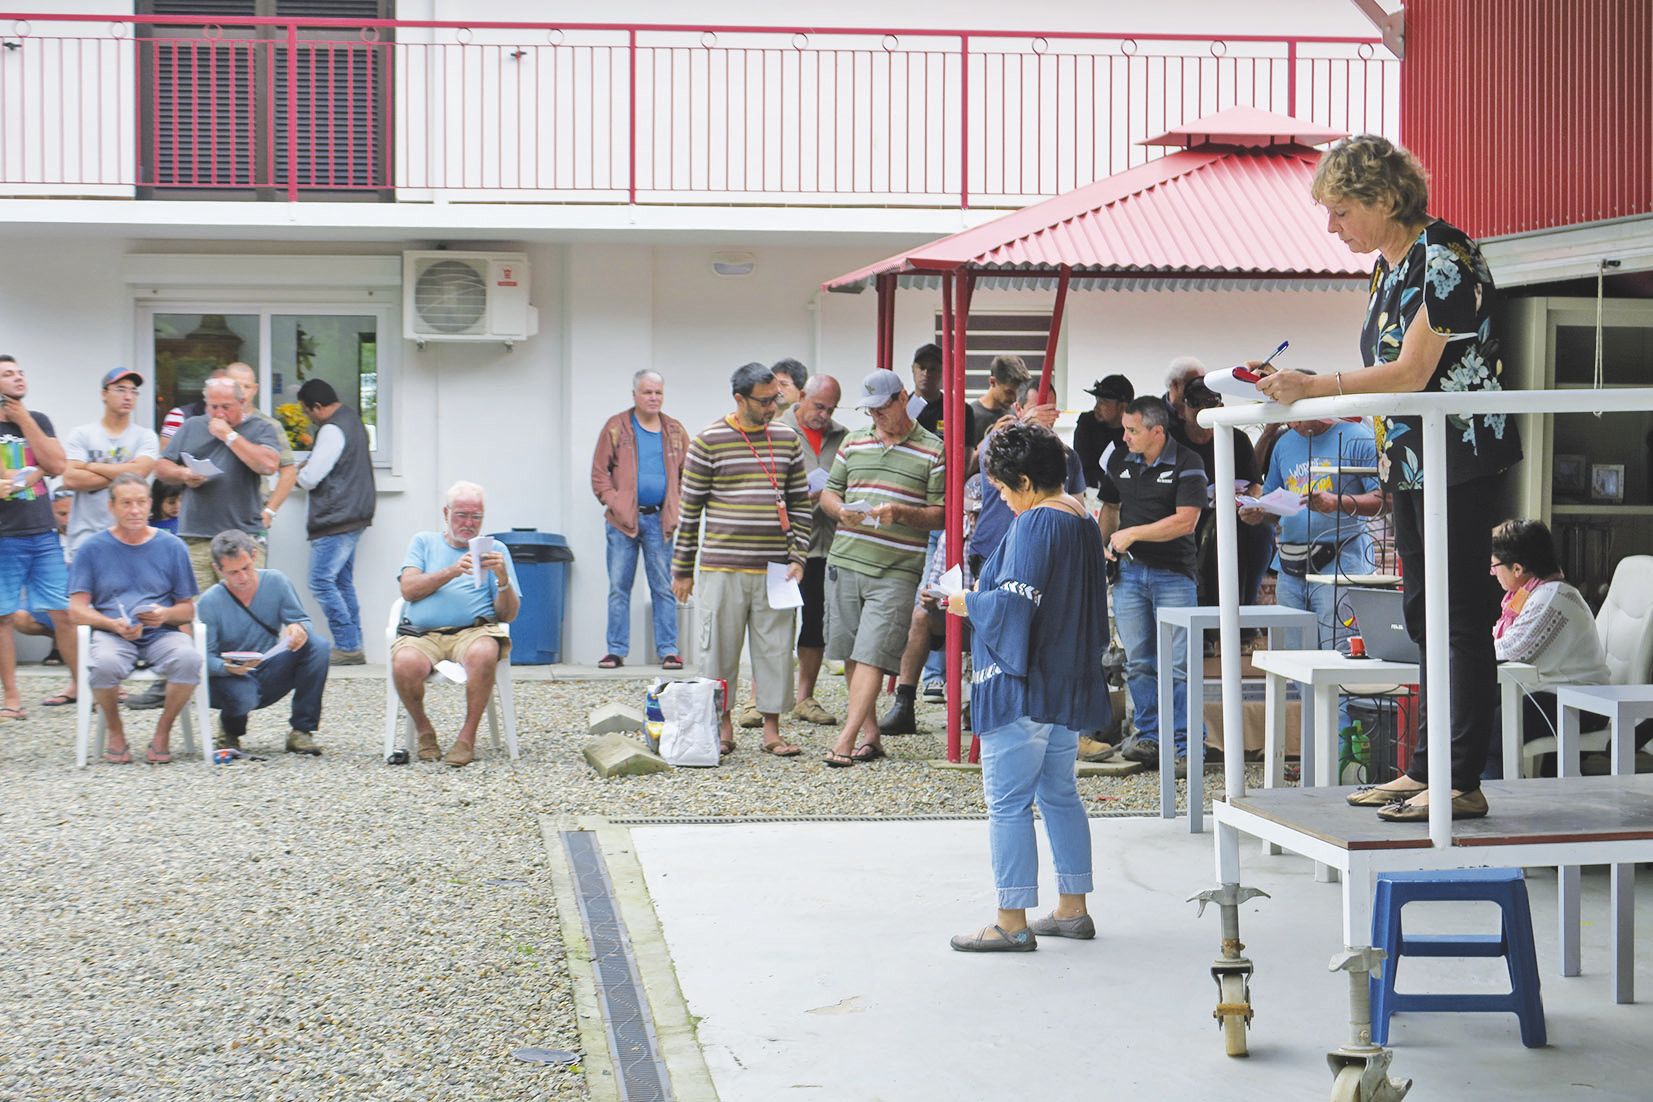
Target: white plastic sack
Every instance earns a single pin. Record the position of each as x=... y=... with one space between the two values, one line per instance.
x=689 y=711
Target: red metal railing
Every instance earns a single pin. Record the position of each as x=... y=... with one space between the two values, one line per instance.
x=97 y=104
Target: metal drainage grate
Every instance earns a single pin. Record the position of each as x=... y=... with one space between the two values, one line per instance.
x=638 y=1068
x=745 y=819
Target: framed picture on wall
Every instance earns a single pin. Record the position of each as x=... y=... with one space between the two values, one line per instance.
x=1607 y=483
x=1571 y=476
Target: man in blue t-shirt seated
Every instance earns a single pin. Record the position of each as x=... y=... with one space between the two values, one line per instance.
x=133 y=586
x=260 y=646
x=452 y=617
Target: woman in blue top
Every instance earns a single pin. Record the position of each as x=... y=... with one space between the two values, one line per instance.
x=1040 y=624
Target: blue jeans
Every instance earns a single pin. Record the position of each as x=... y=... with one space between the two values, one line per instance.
x=33 y=565
x=1293 y=592
x=1021 y=763
x=1138 y=595
x=622 y=570
x=333 y=582
x=302 y=672
x=935 y=665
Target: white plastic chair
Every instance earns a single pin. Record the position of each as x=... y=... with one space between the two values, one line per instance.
x=1625 y=627
x=501 y=703
x=83 y=700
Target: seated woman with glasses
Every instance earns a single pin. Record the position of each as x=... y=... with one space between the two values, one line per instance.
x=1544 y=621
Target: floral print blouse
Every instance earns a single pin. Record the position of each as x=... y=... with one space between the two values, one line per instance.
x=1444 y=273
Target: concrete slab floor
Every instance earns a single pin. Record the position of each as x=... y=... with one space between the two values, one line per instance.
x=816 y=959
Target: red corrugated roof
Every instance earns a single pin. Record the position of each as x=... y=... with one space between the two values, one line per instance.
x=1230 y=208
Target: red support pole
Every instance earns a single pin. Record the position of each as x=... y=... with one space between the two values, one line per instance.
x=887 y=349
x=955 y=330
x=1055 y=333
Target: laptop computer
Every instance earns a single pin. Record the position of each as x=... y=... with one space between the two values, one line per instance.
x=1381 y=623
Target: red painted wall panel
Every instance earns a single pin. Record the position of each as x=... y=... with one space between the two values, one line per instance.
x=1530 y=114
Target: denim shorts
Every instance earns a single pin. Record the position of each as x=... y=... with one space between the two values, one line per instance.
x=33 y=564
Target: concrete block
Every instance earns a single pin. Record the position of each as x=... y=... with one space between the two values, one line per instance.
x=616 y=755
x=1113 y=767
x=623 y=718
x=954 y=766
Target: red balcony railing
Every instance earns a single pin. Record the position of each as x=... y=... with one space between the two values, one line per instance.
x=167 y=106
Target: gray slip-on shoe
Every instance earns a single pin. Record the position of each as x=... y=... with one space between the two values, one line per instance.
x=994 y=939
x=1080 y=927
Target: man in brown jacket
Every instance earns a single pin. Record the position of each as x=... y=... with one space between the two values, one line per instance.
x=635 y=473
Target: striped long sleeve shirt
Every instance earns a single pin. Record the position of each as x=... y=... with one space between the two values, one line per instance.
x=733 y=480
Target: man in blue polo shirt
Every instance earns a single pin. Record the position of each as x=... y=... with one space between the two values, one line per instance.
x=1152 y=492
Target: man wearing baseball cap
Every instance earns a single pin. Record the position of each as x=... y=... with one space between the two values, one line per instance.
x=885 y=494
x=1102 y=426
x=98 y=452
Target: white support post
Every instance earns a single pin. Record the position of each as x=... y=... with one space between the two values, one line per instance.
x=1228 y=616
x=1437 y=658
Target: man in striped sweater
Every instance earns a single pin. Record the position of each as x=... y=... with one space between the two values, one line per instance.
x=745 y=475
x=885 y=493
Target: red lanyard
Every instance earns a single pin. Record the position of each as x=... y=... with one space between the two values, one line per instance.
x=769 y=472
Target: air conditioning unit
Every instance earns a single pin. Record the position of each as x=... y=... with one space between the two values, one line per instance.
x=455 y=296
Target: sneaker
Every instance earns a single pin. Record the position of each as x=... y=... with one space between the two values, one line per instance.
x=899 y=720
x=225 y=741
x=936 y=691
x=300 y=742
x=152 y=697
x=810 y=711
x=347 y=658
x=1143 y=751
x=1093 y=750
x=747 y=715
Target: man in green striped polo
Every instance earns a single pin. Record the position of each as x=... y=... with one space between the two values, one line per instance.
x=744 y=474
x=885 y=492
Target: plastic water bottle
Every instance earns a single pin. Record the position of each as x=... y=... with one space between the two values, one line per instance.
x=1352 y=748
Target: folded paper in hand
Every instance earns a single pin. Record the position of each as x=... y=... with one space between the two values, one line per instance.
x=817 y=480
x=453 y=671
x=864 y=508
x=950 y=582
x=915 y=406
x=784 y=593
x=201 y=466
x=480 y=546
x=1280 y=503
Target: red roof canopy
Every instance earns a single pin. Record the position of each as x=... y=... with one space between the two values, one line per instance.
x=1232 y=209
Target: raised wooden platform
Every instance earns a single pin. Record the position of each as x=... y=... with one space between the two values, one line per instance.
x=1526 y=812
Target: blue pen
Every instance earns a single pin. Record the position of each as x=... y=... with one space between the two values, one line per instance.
x=1283 y=346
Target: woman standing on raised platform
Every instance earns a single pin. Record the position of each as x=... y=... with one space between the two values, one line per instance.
x=1428 y=328
x=1040 y=624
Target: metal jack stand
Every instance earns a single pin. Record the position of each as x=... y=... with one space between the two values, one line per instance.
x=1231 y=971
x=1360 y=1068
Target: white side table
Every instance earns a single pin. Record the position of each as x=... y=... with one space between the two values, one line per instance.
x=1194 y=621
x=1624 y=706
x=1515 y=679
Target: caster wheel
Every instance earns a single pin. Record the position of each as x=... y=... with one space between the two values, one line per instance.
x=1346 y=1087
x=1234 y=1025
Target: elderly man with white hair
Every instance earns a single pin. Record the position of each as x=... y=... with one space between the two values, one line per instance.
x=449 y=617
x=223 y=486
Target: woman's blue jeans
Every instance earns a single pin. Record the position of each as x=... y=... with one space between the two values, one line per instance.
x=1021 y=763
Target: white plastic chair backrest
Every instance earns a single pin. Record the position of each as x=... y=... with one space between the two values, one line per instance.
x=1625 y=622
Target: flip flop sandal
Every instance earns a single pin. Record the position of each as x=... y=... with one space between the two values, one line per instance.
x=122 y=758
x=13 y=713
x=57 y=701
x=868 y=752
x=157 y=757
x=839 y=761
x=725 y=747
x=781 y=749
x=671 y=662
x=610 y=662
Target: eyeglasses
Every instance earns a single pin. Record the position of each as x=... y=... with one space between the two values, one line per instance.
x=769 y=401
x=465 y=516
x=124 y=389
x=1496 y=563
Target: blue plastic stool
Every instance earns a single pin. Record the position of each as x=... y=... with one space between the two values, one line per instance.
x=1505 y=887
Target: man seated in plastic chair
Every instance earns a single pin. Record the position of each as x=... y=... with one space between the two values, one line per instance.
x=456 y=611
x=133 y=586
x=260 y=646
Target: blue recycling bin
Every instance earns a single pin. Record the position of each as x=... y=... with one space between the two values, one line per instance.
x=541 y=560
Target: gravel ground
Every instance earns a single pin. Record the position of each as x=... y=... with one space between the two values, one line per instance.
x=334 y=928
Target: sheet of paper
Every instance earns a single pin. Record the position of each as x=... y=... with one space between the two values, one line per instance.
x=480 y=546
x=201 y=466
x=950 y=582
x=1224 y=382
x=453 y=671
x=915 y=406
x=241 y=657
x=280 y=645
x=783 y=591
x=1281 y=502
x=818 y=480
x=863 y=507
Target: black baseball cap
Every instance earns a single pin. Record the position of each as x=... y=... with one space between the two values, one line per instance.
x=1116 y=388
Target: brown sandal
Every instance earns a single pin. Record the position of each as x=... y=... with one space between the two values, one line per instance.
x=780 y=748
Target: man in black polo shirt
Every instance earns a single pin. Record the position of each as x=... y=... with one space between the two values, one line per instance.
x=1152 y=492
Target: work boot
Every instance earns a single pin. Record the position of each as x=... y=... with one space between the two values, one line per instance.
x=1093 y=750
x=152 y=697
x=748 y=716
x=300 y=742
x=225 y=740
x=810 y=711
x=900 y=719
x=346 y=658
